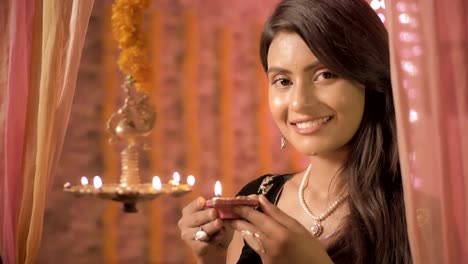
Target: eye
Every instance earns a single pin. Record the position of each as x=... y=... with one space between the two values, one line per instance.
x=326 y=75
x=281 y=82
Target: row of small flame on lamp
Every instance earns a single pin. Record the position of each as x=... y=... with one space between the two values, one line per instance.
x=156 y=183
x=223 y=205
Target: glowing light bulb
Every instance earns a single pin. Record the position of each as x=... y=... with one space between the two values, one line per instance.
x=413 y=116
x=382 y=17
x=375 y=4
x=404 y=18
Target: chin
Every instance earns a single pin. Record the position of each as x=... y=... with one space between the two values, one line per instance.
x=309 y=151
x=316 y=151
x=313 y=154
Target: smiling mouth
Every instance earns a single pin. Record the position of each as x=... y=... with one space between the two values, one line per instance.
x=310 y=126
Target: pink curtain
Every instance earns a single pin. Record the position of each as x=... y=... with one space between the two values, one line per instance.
x=16 y=53
x=40 y=49
x=429 y=49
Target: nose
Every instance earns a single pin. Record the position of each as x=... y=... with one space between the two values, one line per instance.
x=302 y=96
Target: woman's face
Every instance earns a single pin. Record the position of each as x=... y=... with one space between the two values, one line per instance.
x=317 y=111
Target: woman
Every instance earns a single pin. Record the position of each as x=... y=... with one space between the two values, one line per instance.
x=327 y=63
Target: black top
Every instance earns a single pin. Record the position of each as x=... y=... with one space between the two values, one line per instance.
x=271 y=186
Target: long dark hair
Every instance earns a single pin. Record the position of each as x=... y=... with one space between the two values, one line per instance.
x=349 y=38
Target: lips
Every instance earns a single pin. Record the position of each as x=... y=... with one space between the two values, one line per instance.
x=308 y=126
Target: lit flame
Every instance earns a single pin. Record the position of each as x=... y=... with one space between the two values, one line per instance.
x=190 y=180
x=176 y=177
x=218 y=190
x=157 y=183
x=84 y=180
x=97 y=182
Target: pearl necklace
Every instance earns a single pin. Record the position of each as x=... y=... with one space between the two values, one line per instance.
x=317 y=229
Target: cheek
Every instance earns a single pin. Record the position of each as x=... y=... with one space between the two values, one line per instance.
x=351 y=107
x=354 y=102
x=278 y=104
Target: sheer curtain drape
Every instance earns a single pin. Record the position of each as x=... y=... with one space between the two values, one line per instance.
x=429 y=48
x=40 y=46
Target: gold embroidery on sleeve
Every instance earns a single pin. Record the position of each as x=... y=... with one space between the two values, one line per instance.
x=266 y=185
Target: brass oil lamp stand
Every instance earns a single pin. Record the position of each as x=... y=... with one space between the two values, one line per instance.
x=131 y=123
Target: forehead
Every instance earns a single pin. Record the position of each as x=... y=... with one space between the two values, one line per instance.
x=289 y=50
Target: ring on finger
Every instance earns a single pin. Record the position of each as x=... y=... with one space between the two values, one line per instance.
x=201 y=235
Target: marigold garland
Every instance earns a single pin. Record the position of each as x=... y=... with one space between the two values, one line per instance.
x=127 y=19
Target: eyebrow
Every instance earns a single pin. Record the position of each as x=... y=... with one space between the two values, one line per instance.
x=282 y=70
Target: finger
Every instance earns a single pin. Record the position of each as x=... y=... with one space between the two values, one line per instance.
x=249 y=233
x=272 y=210
x=261 y=221
x=212 y=227
x=198 y=218
x=243 y=226
x=253 y=196
x=196 y=205
x=254 y=241
x=219 y=238
x=240 y=225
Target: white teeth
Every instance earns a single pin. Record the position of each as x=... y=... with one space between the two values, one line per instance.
x=314 y=123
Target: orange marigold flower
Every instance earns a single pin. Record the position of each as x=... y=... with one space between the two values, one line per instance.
x=127 y=18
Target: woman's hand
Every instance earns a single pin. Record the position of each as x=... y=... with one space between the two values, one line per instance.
x=277 y=237
x=194 y=219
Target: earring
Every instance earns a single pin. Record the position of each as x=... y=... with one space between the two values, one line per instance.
x=283 y=142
